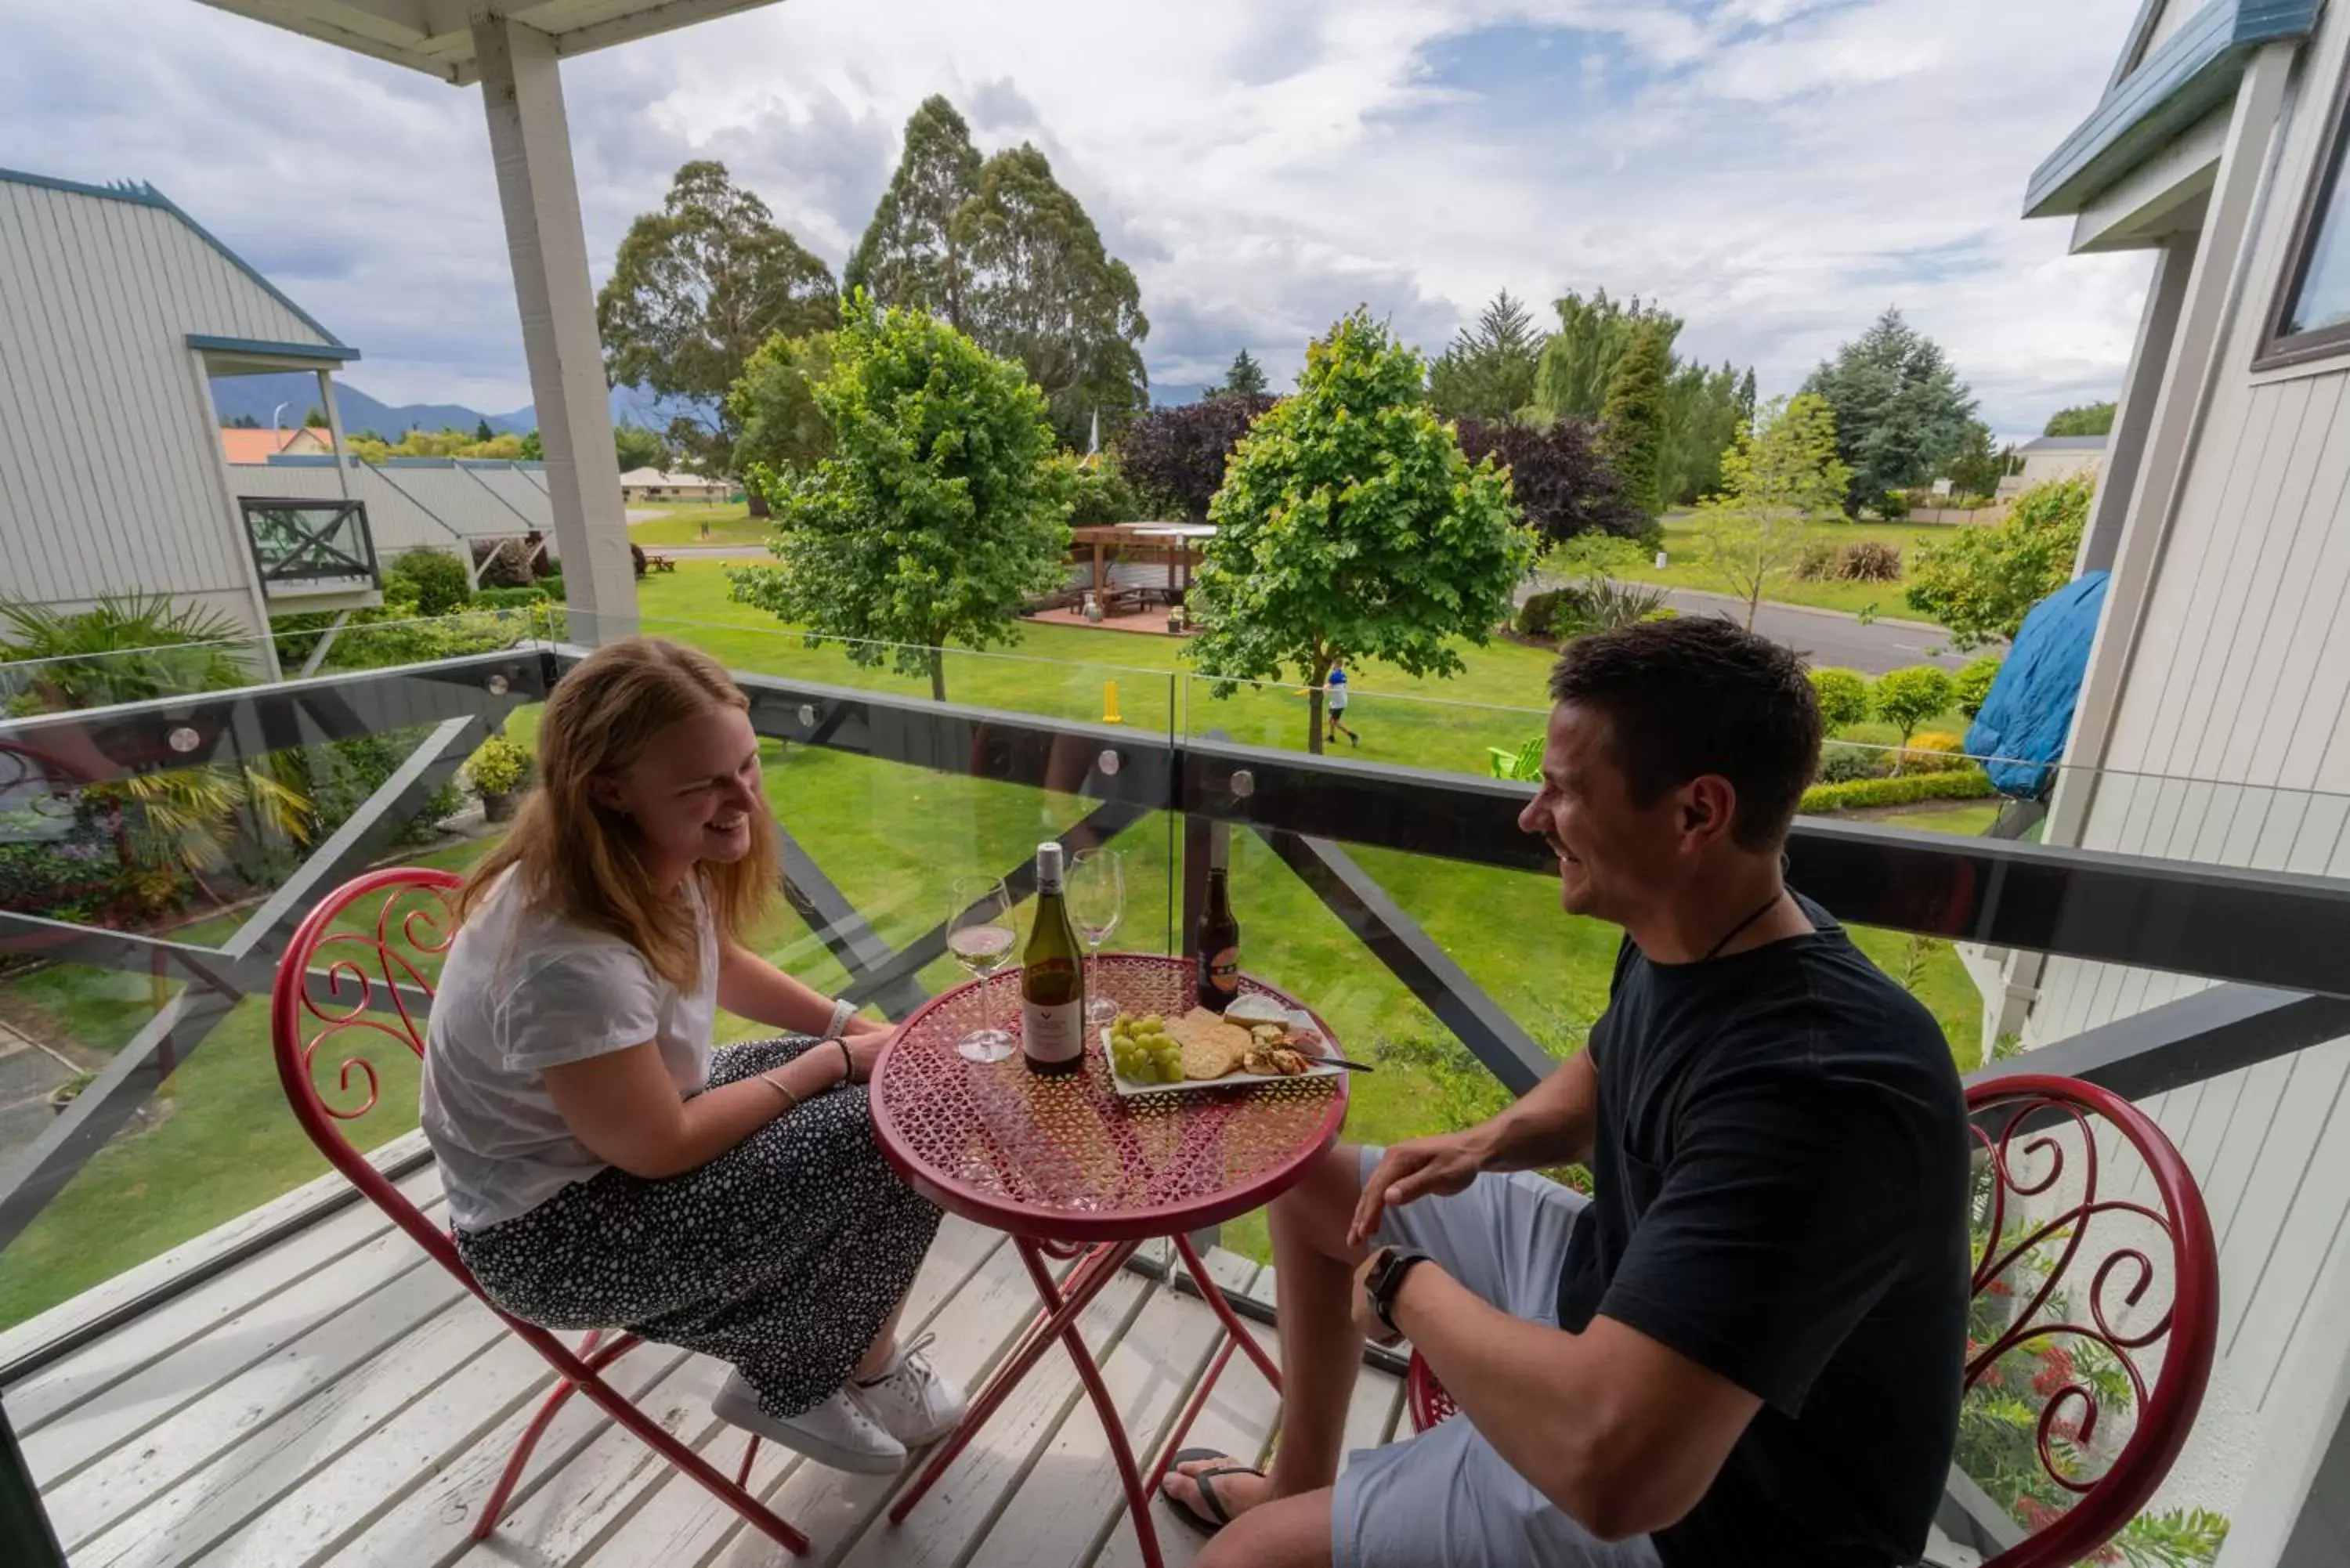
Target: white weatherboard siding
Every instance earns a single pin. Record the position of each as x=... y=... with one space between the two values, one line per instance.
x=109 y=463
x=2230 y=744
x=426 y=507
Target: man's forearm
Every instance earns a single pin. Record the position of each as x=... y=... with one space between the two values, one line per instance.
x=1553 y=1124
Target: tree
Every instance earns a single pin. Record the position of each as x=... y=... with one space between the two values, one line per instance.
x=1244 y=380
x=1487 y=373
x=1701 y=418
x=911 y=254
x=481 y=431
x=241 y=422
x=1908 y=698
x=535 y=450
x=1971 y=687
x=1901 y=411
x=1351 y=529
x=774 y=405
x=1560 y=482
x=637 y=447
x=1180 y=454
x=1577 y=363
x=2086 y=420
x=1777 y=481
x=1983 y=583
x=935 y=518
x=314 y=418
x=1045 y=292
x=1975 y=469
x=696 y=288
x=1843 y=697
x=1632 y=424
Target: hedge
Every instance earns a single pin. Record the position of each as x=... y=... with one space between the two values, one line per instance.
x=1959 y=784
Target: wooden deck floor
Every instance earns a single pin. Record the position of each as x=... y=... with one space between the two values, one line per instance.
x=337 y=1398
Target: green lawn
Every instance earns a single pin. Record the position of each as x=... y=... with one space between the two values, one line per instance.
x=893 y=836
x=1685 y=568
x=729 y=525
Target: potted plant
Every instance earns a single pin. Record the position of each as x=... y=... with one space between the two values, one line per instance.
x=497 y=771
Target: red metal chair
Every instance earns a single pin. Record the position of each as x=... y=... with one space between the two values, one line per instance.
x=386 y=929
x=2029 y=1129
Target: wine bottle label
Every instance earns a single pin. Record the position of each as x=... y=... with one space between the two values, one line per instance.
x=1222 y=969
x=1053 y=1031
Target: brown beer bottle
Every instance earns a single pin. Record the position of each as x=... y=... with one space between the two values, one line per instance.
x=1217 y=945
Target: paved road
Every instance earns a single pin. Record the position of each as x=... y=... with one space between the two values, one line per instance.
x=1824 y=637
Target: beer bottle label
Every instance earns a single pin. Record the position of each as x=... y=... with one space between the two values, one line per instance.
x=1222 y=970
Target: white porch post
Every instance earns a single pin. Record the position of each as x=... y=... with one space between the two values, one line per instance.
x=530 y=142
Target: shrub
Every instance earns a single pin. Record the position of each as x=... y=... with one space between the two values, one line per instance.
x=1869 y=562
x=1178 y=454
x=1932 y=752
x=1983 y=582
x=499 y=767
x=1843 y=696
x=1958 y=784
x=1539 y=612
x=346 y=772
x=1601 y=603
x=441 y=582
x=513 y=598
x=1558 y=478
x=503 y=563
x=1971 y=687
x=637 y=557
x=1841 y=762
x=1817 y=562
x=1893 y=505
x=551 y=583
x=1908 y=698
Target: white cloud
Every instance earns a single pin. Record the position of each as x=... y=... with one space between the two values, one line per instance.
x=1775 y=171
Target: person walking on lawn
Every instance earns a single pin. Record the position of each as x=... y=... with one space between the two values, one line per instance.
x=1744 y=1347
x=1336 y=688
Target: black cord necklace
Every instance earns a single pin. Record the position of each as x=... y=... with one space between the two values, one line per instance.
x=1731 y=935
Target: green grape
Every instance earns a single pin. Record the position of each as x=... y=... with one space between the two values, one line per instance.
x=1153 y=1022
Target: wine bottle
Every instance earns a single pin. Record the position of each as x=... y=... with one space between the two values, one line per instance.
x=1218 y=946
x=1052 y=978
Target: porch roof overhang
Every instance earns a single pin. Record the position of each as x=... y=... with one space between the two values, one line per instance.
x=436 y=35
x=252 y=356
x=2162 y=97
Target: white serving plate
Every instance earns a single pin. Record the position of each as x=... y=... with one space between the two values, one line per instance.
x=1297 y=1019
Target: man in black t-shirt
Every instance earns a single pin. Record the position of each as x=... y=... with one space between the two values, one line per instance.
x=1744 y=1349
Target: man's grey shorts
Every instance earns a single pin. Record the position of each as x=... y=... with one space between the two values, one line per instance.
x=1445 y=1499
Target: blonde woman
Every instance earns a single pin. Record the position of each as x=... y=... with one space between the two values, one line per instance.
x=604 y=1166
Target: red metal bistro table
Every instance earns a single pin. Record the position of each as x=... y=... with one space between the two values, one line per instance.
x=1072 y=1170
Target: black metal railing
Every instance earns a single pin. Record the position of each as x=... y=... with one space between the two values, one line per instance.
x=2271 y=940
x=298 y=542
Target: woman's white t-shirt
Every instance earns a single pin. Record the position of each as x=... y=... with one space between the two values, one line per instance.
x=522 y=991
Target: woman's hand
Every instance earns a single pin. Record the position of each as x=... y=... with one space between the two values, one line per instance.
x=857 y=1026
x=865 y=1047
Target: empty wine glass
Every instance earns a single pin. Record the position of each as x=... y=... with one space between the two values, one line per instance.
x=979 y=934
x=1096 y=899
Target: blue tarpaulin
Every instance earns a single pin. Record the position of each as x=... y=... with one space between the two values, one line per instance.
x=2025 y=720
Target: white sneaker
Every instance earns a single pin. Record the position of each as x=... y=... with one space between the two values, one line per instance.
x=837 y=1433
x=913 y=1401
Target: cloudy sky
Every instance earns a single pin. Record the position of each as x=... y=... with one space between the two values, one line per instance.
x=1777 y=172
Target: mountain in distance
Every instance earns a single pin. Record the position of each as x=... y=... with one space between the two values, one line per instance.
x=258 y=397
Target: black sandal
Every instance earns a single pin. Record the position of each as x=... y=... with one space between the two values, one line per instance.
x=1200 y=1521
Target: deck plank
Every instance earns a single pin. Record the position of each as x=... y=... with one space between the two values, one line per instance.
x=216 y=1502
x=119 y=1414
x=34 y=1401
x=969 y=1497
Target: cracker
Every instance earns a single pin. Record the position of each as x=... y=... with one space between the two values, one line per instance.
x=1211 y=1047
x=1206 y=1059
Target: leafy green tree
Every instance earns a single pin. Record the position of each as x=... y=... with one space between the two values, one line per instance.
x=1562 y=486
x=1983 y=583
x=1701 y=418
x=481 y=431
x=534 y=450
x=935 y=518
x=1244 y=380
x=1350 y=527
x=1044 y=291
x=2086 y=419
x=1971 y=687
x=241 y=422
x=1487 y=373
x=775 y=406
x=1908 y=698
x=1180 y=454
x=912 y=255
x=1577 y=363
x=638 y=447
x=314 y=418
x=696 y=288
x=1843 y=696
x=1777 y=481
x=1901 y=411
x=1975 y=469
x=1633 y=424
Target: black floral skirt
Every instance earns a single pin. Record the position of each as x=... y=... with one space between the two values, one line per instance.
x=784 y=1256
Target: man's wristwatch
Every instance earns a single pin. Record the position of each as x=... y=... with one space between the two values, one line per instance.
x=1386 y=1279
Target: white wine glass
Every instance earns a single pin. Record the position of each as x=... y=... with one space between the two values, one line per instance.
x=980 y=936
x=1097 y=898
